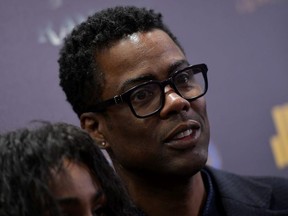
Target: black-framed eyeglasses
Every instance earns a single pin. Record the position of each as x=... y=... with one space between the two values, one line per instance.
x=148 y=98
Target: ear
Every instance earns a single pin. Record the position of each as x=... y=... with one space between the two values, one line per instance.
x=94 y=124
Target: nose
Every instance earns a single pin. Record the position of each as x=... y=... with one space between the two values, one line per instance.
x=174 y=103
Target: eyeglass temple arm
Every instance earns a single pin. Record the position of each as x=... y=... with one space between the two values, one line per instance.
x=103 y=105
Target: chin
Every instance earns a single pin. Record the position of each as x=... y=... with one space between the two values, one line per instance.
x=191 y=167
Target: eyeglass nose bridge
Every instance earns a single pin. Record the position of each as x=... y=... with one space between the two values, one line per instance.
x=169 y=82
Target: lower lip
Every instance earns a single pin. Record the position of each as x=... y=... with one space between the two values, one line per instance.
x=185 y=142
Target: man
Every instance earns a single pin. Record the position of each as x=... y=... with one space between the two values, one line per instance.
x=129 y=81
x=57 y=170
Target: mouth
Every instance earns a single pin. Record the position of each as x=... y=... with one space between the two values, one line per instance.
x=184 y=136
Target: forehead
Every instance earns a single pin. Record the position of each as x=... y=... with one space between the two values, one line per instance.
x=139 y=54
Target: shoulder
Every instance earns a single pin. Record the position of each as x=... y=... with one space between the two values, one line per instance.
x=257 y=191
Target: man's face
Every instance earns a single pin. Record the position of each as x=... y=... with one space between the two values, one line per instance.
x=76 y=191
x=175 y=140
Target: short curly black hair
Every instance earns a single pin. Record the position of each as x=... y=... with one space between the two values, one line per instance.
x=80 y=77
x=27 y=157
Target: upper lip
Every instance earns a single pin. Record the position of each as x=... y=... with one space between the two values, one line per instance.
x=192 y=124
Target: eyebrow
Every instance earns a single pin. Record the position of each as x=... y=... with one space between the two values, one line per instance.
x=138 y=80
x=75 y=200
x=175 y=66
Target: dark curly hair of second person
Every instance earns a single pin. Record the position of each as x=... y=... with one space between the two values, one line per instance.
x=27 y=157
x=80 y=78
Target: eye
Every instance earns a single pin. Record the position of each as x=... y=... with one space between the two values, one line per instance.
x=182 y=78
x=143 y=94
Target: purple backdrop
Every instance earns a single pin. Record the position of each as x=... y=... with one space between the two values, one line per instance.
x=244 y=43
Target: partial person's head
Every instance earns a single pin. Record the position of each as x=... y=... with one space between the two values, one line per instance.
x=57 y=169
x=154 y=126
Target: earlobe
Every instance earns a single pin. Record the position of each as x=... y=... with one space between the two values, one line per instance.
x=94 y=124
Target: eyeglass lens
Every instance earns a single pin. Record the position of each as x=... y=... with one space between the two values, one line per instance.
x=189 y=84
x=148 y=98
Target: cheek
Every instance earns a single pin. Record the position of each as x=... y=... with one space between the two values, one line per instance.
x=132 y=141
x=124 y=131
x=200 y=107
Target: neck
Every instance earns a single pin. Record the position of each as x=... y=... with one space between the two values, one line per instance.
x=158 y=196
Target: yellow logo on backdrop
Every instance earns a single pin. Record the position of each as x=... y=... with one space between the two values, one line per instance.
x=279 y=142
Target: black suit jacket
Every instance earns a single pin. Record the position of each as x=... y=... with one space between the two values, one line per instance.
x=251 y=196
